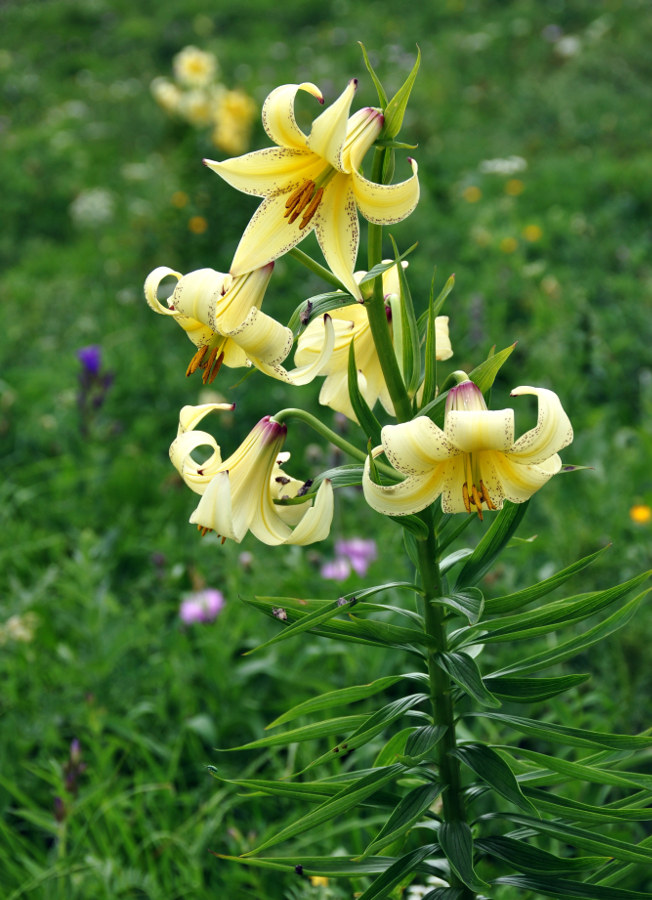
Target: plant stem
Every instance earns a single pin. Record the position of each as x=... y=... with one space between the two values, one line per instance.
x=441 y=699
x=375 y=307
x=318 y=269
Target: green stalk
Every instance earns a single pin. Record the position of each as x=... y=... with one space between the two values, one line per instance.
x=441 y=699
x=375 y=307
x=331 y=436
x=315 y=267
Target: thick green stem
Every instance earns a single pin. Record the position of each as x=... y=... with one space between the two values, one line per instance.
x=375 y=307
x=441 y=698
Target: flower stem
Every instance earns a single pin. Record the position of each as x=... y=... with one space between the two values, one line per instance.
x=331 y=436
x=441 y=698
x=375 y=307
x=315 y=267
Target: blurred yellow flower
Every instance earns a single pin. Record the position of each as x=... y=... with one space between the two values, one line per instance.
x=532 y=233
x=166 y=94
x=19 y=629
x=318 y=881
x=179 y=199
x=194 y=67
x=508 y=245
x=197 y=225
x=641 y=514
x=514 y=187
x=233 y=116
x=472 y=194
x=197 y=107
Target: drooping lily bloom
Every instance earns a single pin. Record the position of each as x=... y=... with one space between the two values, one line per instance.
x=221 y=315
x=351 y=323
x=238 y=493
x=312 y=182
x=474 y=460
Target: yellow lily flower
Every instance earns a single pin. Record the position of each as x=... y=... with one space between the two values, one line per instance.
x=238 y=493
x=311 y=182
x=221 y=315
x=351 y=323
x=474 y=460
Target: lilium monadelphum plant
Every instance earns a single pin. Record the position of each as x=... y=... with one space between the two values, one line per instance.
x=313 y=182
x=238 y=494
x=474 y=460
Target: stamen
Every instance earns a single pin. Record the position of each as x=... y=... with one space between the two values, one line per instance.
x=312 y=209
x=298 y=200
x=195 y=362
x=203 y=530
x=465 y=497
x=210 y=375
x=207 y=366
x=485 y=496
x=477 y=499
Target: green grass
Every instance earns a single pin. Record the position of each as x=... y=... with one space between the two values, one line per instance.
x=96 y=541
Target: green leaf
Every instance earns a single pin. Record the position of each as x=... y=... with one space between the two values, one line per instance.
x=413 y=525
x=395 y=109
x=557 y=614
x=382 y=96
x=393 y=749
x=444 y=893
x=406 y=335
x=579 y=837
x=464 y=672
x=341 y=697
x=453 y=559
x=553 y=655
x=531 y=690
x=571 y=737
x=349 y=475
x=456 y=842
x=382 y=267
x=493 y=770
x=391 y=635
x=519 y=599
x=306 y=790
x=342 y=802
x=575 y=890
x=366 y=419
x=421 y=743
x=492 y=544
x=580 y=772
x=326 y=728
x=408 y=811
x=469 y=602
x=315 y=307
x=484 y=375
x=370 y=727
x=532 y=860
x=330 y=866
x=430 y=371
x=583 y=812
x=405 y=865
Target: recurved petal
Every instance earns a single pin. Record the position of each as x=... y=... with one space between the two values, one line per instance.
x=552 y=432
x=409 y=496
x=338 y=232
x=519 y=482
x=191 y=416
x=474 y=430
x=152 y=283
x=196 y=475
x=263 y=339
x=303 y=374
x=316 y=523
x=278 y=115
x=385 y=204
x=415 y=447
x=268 y=171
x=329 y=129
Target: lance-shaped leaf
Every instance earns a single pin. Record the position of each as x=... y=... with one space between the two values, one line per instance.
x=583 y=812
x=578 y=771
x=526 y=858
x=571 y=737
x=366 y=419
x=315 y=307
x=469 y=602
x=552 y=656
x=395 y=109
x=430 y=371
x=564 y=888
x=421 y=743
x=332 y=699
x=493 y=769
x=492 y=544
x=348 y=798
x=406 y=332
x=326 y=728
x=392 y=876
x=519 y=599
x=453 y=559
x=382 y=96
x=456 y=842
x=409 y=810
x=329 y=866
x=532 y=690
x=444 y=893
x=464 y=671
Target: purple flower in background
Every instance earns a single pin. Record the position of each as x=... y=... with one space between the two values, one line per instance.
x=359 y=551
x=91 y=358
x=336 y=569
x=202 y=606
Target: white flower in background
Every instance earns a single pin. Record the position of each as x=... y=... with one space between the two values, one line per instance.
x=92 y=208
x=568 y=46
x=167 y=95
x=508 y=166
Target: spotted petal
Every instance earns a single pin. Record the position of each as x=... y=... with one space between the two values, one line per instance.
x=328 y=130
x=552 y=432
x=152 y=283
x=415 y=447
x=519 y=482
x=338 y=232
x=268 y=171
x=471 y=431
x=385 y=204
x=278 y=115
x=409 y=496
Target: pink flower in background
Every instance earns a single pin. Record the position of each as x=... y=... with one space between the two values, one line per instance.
x=359 y=551
x=202 y=606
x=356 y=554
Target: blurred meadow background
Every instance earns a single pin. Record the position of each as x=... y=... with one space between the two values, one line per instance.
x=535 y=153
